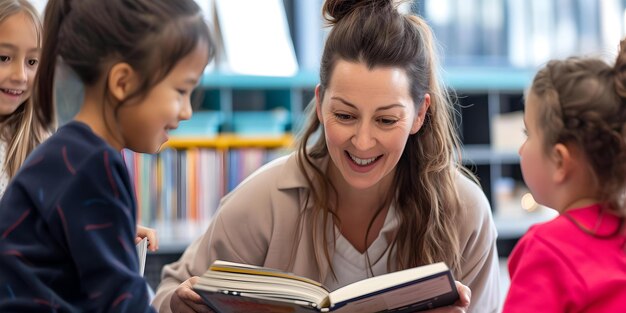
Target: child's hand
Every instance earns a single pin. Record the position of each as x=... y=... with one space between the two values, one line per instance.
x=143 y=232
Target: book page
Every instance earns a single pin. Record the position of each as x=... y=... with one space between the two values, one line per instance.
x=230 y=267
x=267 y=286
x=427 y=294
x=261 y=282
x=375 y=285
x=142 y=251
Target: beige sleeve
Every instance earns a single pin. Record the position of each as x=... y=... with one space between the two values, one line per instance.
x=479 y=264
x=239 y=233
x=194 y=259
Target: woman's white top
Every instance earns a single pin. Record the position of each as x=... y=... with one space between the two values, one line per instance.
x=351 y=266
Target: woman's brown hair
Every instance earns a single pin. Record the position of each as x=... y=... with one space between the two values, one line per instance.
x=375 y=33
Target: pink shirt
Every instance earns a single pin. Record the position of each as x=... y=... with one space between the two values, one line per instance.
x=558 y=267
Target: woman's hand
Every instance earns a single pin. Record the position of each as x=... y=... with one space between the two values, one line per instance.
x=143 y=232
x=185 y=300
x=461 y=305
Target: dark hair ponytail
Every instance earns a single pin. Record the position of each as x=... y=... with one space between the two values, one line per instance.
x=43 y=90
x=90 y=36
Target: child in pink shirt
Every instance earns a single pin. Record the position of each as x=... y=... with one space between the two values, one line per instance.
x=574 y=161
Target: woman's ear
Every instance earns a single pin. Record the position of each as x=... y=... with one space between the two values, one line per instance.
x=318 y=104
x=121 y=80
x=420 y=115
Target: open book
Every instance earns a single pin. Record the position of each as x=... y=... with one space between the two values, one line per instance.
x=234 y=287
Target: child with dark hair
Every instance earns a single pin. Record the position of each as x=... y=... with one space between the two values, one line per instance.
x=574 y=161
x=68 y=217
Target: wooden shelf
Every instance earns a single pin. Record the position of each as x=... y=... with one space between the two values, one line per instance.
x=230 y=141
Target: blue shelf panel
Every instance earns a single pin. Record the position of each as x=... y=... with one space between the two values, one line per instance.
x=459 y=78
x=488 y=78
x=221 y=80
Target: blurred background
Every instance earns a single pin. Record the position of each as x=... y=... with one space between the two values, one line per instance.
x=251 y=99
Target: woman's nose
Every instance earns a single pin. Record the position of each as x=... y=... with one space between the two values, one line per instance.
x=363 y=138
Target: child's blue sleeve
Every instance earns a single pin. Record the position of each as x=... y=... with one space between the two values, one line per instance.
x=96 y=220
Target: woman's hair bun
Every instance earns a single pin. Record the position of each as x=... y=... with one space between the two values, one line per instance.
x=335 y=10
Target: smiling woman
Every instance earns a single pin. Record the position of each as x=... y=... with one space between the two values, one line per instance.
x=373 y=187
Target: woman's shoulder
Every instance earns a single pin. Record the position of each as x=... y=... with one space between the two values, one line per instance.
x=474 y=213
x=470 y=193
x=274 y=186
x=282 y=172
x=264 y=208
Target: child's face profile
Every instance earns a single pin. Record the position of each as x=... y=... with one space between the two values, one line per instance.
x=19 y=58
x=367 y=115
x=536 y=165
x=144 y=125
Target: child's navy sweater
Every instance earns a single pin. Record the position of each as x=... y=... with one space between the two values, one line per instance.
x=67 y=229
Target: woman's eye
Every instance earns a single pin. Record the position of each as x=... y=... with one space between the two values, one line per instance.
x=33 y=62
x=343 y=117
x=181 y=92
x=4 y=58
x=387 y=121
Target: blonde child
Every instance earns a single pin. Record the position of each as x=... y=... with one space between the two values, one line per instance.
x=23 y=125
x=574 y=161
x=67 y=219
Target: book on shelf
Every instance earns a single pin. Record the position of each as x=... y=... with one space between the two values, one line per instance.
x=142 y=251
x=234 y=287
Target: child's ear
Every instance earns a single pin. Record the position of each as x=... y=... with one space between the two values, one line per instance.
x=121 y=80
x=563 y=162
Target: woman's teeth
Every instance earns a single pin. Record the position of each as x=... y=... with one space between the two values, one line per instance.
x=14 y=92
x=362 y=161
